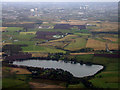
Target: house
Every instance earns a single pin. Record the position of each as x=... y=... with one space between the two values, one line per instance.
x=45 y=27
x=90 y=24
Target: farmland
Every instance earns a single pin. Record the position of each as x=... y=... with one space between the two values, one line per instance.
x=107 y=26
x=97 y=45
x=13 y=80
x=76 y=44
x=33 y=48
x=11 y=29
x=111 y=39
x=28 y=39
x=100 y=45
x=75 y=41
x=109 y=77
x=79 y=45
x=27 y=33
x=84 y=34
x=60 y=42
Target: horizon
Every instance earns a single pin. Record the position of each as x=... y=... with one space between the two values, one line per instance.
x=56 y=1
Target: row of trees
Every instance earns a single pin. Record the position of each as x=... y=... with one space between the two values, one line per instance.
x=53 y=74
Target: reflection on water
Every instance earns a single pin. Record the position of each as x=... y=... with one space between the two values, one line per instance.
x=77 y=69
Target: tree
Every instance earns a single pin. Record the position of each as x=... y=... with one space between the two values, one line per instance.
x=11 y=49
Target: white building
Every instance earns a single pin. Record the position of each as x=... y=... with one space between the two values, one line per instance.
x=32 y=10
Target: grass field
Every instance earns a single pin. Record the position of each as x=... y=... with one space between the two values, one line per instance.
x=59 y=44
x=11 y=29
x=13 y=83
x=61 y=30
x=80 y=85
x=25 y=42
x=12 y=80
x=33 y=48
x=23 y=37
x=82 y=34
x=109 y=77
x=85 y=58
x=76 y=44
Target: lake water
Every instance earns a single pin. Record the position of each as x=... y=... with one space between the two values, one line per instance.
x=77 y=69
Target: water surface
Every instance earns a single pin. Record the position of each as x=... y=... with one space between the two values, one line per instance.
x=77 y=70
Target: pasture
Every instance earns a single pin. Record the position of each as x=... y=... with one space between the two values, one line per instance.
x=12 y=80
x=13 y=83
x=82 y=34
x=43 y=49
x=109 y=77
x=11 y=29
x=76 y=44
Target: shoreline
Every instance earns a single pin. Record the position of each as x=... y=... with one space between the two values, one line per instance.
x=39 y=58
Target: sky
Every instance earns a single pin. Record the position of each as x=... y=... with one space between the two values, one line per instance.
x=60 y=0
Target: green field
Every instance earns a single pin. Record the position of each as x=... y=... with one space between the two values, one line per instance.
x=11 y=29
x=106 y=79
x=14 y=83
x=12 y=80
x=82 y=34
x=80 y=85
x=76 y=44
x=109 y=77
x=85 y=58
x=33 y=48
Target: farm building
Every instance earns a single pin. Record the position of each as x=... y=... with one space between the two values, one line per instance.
x=47 y=34
x=45 y=27
x=68 y=26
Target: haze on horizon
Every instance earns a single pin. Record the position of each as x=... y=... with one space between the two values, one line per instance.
x=60 y=1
